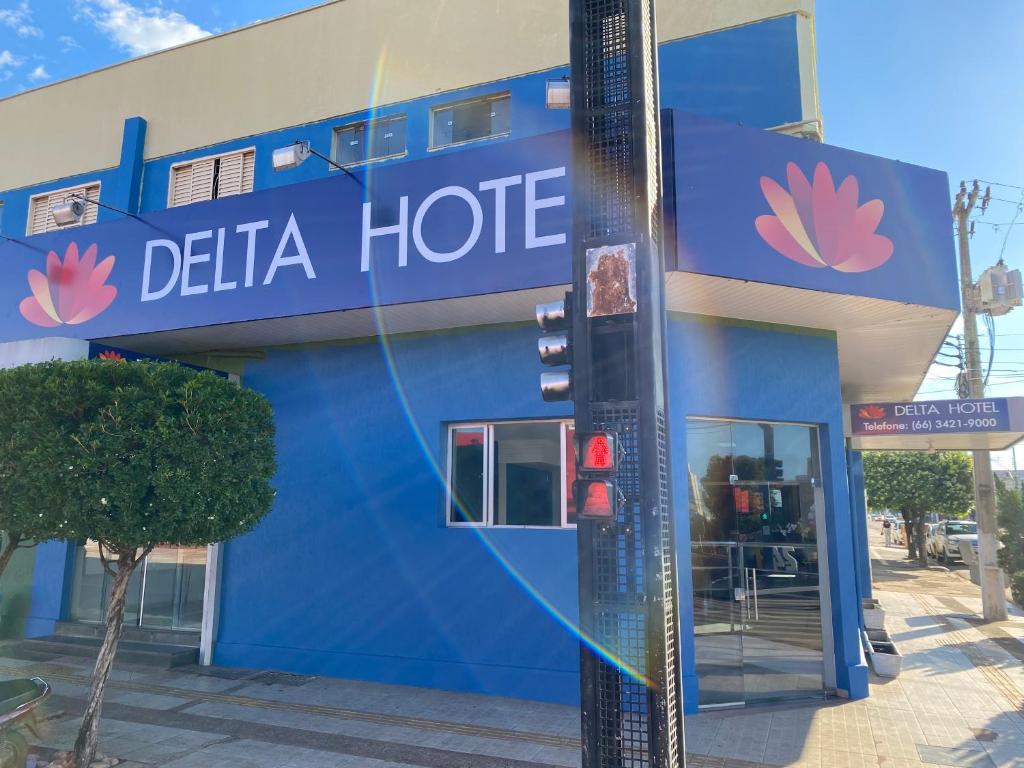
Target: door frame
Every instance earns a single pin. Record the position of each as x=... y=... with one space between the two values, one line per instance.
x=821 y=510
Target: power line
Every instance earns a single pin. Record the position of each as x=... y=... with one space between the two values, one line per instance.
x=998 y=184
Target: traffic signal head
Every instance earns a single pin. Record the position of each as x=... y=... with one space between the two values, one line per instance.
x=554 y=348
x=554 y=315
x=595 y=499
x=597 y=452
x=555 y=386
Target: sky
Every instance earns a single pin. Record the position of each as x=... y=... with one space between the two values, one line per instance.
x=46 y=40
x=923 y=81
x=939 y=84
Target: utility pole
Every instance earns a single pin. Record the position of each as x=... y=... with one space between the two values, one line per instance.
x=993 y=591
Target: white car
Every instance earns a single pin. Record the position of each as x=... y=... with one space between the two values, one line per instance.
x=949 y=534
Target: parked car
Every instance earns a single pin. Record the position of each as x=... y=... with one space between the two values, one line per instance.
x=930 y=530
x=949 y=534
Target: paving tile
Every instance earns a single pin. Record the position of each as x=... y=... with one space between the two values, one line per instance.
x=960 y=758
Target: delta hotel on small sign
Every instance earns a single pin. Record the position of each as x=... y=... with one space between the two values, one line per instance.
x=424 y=527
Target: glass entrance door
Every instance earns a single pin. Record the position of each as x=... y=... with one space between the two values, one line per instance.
x=165 y=591
x=754 y=506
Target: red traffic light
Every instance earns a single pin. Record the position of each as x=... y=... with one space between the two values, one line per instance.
x=597 y=453
x=595 y=499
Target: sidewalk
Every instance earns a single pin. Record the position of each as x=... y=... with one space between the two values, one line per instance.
x=958 y=702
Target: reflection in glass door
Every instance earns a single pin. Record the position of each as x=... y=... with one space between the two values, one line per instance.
x=165 y=591
x=755 y=498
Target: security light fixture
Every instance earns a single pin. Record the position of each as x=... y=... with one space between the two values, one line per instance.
x=68 y=213
x=293 y=155
x=557 y=96
x=71 y=211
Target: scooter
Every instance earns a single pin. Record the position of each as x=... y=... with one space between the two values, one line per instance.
x=18 y=701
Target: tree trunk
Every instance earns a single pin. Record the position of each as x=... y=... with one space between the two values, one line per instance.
x=908 y=534
x=8 y=551
x=88 y=732
x=922 y=544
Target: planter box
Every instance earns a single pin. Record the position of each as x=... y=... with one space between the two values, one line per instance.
x=886 y=660
x=874 y=618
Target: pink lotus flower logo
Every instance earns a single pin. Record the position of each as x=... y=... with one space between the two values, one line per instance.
x=818 y=225
x=71 y=291
x=871 y=412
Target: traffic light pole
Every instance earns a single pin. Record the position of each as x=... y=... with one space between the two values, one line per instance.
x=630 y=676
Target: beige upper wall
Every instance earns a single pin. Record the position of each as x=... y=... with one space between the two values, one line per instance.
x=308 y=66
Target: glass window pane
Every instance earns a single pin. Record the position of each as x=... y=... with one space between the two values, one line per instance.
x=467 y=475
x=749 y=444
x=709 y=450
x=796 y=452
x=471 y=120
x=500 y=122
x=175 y=578
x=528 y=474
x=387 y=138
x=351 y=145
x=91 y=590
x=441 y=132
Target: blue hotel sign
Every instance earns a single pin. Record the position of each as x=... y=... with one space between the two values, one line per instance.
x=934 y=417
x=750 y=205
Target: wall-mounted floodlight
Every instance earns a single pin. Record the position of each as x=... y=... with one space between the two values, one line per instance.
x=68 y=213
x=285 y=158
x=557 y=96
x=292 y=156
x=71 y=211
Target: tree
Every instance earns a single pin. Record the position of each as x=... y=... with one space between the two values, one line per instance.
x=22 y=521
x=915 y=483
x=1011 y=533
x=135 y=455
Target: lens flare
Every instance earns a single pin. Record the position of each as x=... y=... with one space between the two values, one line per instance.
x=384 y=339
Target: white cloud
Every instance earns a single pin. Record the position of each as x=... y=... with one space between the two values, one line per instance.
x=139 y=30
x=8 y=63
x=67 y=43
x=38 y=74
x=20 y=20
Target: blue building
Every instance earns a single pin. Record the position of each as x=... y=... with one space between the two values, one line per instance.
x=385 y=311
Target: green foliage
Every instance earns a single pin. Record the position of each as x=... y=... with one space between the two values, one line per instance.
x=1017 y=587
x=916 y=482
x=136 y=454
x=1011 y=528
x=21 y=515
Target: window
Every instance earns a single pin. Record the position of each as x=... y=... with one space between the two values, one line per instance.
x=370 y=140
x=209 y=178
x=514 y=473
x=40 y=206
x=470 y=120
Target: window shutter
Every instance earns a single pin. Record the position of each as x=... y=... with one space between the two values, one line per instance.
x=248 y=170
x=91 y=211
x=39 y=216
x=201 y=187
x=181 y=185
x=193 y=182
x=229 y=180
x=40 y=207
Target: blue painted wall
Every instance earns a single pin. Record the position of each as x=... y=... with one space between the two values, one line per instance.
x=747 y=74
x=354 y=574
x=859 y=515
x=50 y=584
